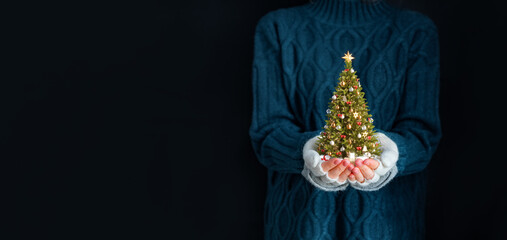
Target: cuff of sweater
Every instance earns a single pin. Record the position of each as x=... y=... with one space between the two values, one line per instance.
x=400 y=147
x=319 y=182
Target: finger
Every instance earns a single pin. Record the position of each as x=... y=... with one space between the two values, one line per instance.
x=335 y=172
x=352 y=177
x=358 y=174
x=345 y=174
x=371 y=163
x=326 y=166
x=359 y=162
x=365 y=170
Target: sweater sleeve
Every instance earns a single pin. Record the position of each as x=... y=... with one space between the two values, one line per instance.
x=416 y=130
x=276 y=135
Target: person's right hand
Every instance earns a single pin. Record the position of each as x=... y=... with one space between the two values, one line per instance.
x=338 y=168
x=324 y=173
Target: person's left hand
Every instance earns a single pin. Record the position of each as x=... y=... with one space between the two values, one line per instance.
x=364 y=170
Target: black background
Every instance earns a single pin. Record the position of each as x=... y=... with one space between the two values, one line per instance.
x=130 y=119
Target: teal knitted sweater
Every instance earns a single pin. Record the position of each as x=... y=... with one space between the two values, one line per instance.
x=297 y=60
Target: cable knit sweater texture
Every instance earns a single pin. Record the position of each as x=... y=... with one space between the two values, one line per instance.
x=297 y=60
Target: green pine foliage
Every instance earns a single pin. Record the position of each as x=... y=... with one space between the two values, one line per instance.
x=349 y=130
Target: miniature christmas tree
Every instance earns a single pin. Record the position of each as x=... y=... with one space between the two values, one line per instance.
x=349 y=127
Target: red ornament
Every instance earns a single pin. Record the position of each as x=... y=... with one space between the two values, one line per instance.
x=339 y=153
x=358 y=148
x=355 y=87
x=346 y=69
x=343 y=136
x=349 y=102
x=324 y=133
x=369 y=137
x=358 y=123
x=322 y=150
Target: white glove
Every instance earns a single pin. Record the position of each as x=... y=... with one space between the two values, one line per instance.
x=386 y=170
x=313 y=171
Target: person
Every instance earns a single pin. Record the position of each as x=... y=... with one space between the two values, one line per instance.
x=297 y=59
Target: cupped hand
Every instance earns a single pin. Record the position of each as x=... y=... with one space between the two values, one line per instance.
x=338 y=168
x=364 y=170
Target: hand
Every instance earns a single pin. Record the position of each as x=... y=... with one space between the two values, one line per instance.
x=338 y=168
x=328 y=175
x=364 y=170
x=331 y=171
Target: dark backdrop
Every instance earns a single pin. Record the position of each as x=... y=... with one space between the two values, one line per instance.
x=130 y=119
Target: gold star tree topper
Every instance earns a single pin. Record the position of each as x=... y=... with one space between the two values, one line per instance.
x=348 y=57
